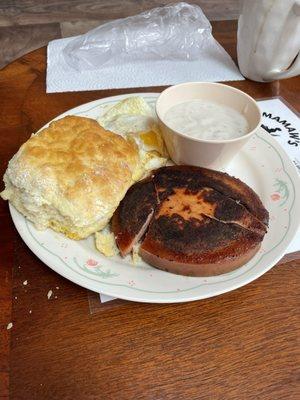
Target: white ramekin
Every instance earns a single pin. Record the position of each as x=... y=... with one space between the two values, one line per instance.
x=216 y=154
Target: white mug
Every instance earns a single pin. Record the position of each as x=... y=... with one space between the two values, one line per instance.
x=269 y=39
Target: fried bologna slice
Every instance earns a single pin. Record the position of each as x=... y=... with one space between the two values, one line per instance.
x=198 y=224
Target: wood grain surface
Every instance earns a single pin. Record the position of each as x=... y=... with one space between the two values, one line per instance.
x=15 y=41
x=22 y=12
x=241 y=345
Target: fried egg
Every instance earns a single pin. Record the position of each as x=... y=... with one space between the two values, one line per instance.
x=135 y=120
x=105 y=242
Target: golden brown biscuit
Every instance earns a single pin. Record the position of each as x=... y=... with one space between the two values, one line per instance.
x=71 y=176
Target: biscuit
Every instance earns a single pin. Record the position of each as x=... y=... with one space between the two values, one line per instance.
x=71 y=176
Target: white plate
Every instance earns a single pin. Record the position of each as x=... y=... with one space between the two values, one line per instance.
x=262 y=164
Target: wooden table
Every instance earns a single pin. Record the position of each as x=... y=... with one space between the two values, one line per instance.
x=241 y=345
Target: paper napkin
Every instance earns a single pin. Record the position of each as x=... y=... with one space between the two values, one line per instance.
x=215 y=65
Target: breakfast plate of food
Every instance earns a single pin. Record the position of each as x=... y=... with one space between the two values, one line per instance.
x=95 y=195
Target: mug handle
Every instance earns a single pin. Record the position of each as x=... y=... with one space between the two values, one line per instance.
x=294 y=69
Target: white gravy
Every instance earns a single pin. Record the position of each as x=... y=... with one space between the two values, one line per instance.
x=209 y=120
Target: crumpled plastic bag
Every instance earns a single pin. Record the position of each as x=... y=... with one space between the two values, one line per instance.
x=175 y=32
